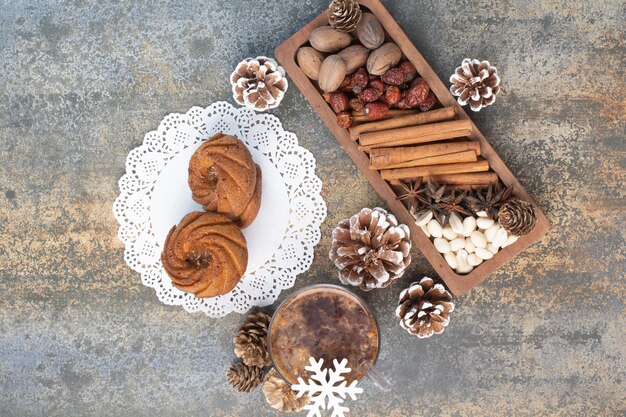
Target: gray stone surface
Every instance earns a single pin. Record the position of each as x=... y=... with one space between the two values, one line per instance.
x=81 y=82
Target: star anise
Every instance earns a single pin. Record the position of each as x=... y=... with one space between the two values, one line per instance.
x=453 y=203
x=409 y=194
x=490 y=200
x=432 y=199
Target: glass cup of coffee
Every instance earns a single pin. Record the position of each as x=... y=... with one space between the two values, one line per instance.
x=324 y=321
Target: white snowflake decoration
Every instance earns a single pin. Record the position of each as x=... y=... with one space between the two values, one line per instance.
x=327 y=384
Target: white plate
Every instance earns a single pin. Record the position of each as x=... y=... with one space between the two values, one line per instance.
x=155 y=196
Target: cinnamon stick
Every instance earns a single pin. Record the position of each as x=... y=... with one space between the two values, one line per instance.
x=416 y=134
x=360 y=117
x=467 y=179
x=386 y=158
x=435 y=170
x=431 y=116
x=450 y=158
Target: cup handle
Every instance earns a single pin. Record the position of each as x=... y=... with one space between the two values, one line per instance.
x=377 y=377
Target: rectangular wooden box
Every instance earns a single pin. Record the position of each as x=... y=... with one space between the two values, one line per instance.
x=458 y=284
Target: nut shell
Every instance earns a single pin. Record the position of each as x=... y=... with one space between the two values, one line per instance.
x=310 y=60
x=327 y=39
x=332 y=73
x=383 y=58
x=370 y=32
x=355 y=57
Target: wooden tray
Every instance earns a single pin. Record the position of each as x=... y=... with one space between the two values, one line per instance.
x=458 y=284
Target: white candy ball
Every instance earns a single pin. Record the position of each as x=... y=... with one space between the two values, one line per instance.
x=448 y=233
x=441 y=245
x=457 y=244
x=422 y=218
x=482 y=213
x=483 y=253
x=478 y=239
x=451 y=260
x=425 y=230
x=434 y=228
x=456 y=223
x=469 y=225
x=490 y=233
x=500 y=238
x=464 y=269
x=492 y=248
x=469 y=246
x=474 y=260
x=484 y=222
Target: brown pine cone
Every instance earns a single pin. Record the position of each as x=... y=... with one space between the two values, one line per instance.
x=343 y=15
x=244 y=377
x=517 y=216
x=476 y=83
x=424 y=308
x=251 y=340
x=258 y=83
x=370 y=249
x=279 y=394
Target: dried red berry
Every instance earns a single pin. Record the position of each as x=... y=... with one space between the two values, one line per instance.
x=402 y=104
x=417 y=94
x=338 y=101
x=393 y=95
x=378 y=85
x=409 y=70
x=357 y=104
x=394 y=76
x=430 y=102
x=376 y=110
x=360 y=80
x=346 y=84
x=345 y=119
x=369 y=95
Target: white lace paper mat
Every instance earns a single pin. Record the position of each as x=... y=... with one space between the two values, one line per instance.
x=154 y=196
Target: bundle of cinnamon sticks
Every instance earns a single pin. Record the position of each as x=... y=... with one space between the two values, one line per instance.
x=410 y=144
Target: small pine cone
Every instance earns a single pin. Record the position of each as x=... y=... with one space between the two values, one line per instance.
x=371 y=249
x=251 y=340
x=280 y=396
x=424 y=308
x=258 y=83
x=476 y=83
x=517 y=216
x=244 y=377
x=343 y=15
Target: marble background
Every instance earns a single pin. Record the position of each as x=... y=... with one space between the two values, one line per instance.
x=81 y=82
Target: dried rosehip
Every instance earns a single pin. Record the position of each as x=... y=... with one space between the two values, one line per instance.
x=417 y=94
x=357 y=104
x=369 y=95
x=394 y=76
x=393 y=95
x=372 y=77
x=430 y=102
x=345 y=119
x=409 y=70
x=378 y=85
x=338 y=101
x=402 y=104
x=360 y=80
x=376 y=110
x=346 y=84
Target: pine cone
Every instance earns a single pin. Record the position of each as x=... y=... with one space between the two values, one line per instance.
x=343 y=15
x=244 y=377
x=424 y=308
x=251 y=340
x=280 y=396
x=258 y=83
x=517 y=216
x=476 y=83
x=370 y=249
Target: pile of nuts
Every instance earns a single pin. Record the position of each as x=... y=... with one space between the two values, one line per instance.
x=366 y=77
x=466 y=243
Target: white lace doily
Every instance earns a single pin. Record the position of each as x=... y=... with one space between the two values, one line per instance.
x=154 y=196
